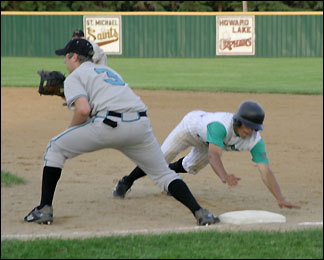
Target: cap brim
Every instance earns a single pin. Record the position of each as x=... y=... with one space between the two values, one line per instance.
x=252 y=125
x=60 y=52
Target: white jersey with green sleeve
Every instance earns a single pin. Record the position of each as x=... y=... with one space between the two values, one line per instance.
x=220 y=131
x=198 y=128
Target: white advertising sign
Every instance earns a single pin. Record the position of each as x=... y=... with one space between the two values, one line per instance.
x=235 y=35
x=105 y=30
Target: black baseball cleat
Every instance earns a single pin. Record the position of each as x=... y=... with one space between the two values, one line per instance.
x=121 y=188
x=205 y=217
x=40 y=216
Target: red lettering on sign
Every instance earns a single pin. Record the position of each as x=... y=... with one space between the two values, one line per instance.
x=224 y=44
x=241 y=30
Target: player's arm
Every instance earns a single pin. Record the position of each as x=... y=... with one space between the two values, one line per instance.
x=216 y=132
x=259 y=156
x=81 y=111
x=214 y=159
x=270 y=181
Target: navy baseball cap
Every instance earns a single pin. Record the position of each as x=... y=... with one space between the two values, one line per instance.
x=79 y=46
x=78 y=33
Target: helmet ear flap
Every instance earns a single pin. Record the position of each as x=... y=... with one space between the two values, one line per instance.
x=237 y=123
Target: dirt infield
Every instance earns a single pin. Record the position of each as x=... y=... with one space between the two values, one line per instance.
x=83 y=203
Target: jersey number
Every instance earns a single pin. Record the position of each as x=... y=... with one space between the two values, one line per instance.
x=113 y=79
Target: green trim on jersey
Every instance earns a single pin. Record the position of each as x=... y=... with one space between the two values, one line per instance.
x=259 y=154
x=216 y=132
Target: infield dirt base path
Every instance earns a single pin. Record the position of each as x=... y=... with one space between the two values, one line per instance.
x=83 y=202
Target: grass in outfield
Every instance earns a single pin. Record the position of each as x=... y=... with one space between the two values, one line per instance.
x=305 y=244
x=8 y=179
x=227 y=74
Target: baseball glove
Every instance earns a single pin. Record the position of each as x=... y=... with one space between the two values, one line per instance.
x=54 y=83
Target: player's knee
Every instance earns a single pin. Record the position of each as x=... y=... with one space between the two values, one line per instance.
x=169 y=156
x=163 y=180
x=53 y=156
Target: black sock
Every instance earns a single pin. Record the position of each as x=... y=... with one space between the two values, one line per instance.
x=51 y=175
x=177 y=166
x=134 y=175
x=180 y=191
x=138 y=172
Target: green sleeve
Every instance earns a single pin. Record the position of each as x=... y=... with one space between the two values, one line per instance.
x=259 y=154
x=216 y=133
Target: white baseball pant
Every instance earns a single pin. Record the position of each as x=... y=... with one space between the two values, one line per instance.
x=186 y=134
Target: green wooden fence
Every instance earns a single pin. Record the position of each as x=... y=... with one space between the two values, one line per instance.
x=183 y=35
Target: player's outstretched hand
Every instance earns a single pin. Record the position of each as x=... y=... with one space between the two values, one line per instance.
x=232 y=180
x=286 y=204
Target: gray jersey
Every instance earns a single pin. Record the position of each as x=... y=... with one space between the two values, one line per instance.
x=103 y=87
x=130 y=133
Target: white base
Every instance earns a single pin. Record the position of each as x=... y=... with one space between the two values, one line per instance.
x=251 y=217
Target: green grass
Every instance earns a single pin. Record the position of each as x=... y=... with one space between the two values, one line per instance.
x=226 y=74
x=8 y=179
x=306 y=244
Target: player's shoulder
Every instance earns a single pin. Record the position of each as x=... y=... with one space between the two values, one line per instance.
x=81 y=70
x=224 y=115
x=85 y=66
x=221 y=117
x=216 y=115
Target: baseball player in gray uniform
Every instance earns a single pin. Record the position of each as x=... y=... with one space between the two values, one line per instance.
x=106 y=114
x=99 y=56
x=209 y=134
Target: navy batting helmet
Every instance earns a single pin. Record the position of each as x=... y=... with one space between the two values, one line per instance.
x=251 y=114
x=78 y=33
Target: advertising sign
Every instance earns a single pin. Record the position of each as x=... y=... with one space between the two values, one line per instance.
x=235 y=35
x=105 y=30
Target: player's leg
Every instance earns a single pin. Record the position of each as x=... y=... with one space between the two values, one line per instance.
x=182 y=137
x=44 y=212
x=68 y=144
x=125 y=183
x=176 y=142
x=196 y=160
x=149 y=157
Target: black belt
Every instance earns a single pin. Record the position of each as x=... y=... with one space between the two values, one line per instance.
x=116 y=114
x=114 y=124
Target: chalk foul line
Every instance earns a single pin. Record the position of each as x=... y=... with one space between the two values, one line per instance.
x=88 y=234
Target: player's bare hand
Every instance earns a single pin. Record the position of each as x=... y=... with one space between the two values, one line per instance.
x=232 y=180
x=286 y=204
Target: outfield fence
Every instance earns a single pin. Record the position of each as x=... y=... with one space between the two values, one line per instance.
x=164 y=34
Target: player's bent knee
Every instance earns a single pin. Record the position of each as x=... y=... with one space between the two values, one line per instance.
x=164 y=180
